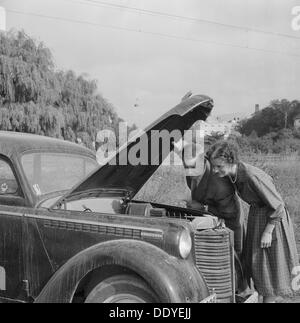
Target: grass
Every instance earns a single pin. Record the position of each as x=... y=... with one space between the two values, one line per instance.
x=167 y=186
x=286 y=175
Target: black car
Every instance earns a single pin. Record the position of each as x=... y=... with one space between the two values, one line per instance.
x=71 y=231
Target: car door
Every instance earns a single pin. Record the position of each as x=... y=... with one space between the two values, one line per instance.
x=11 y=237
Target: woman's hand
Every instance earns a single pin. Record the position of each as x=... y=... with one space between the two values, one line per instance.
x=266 y=240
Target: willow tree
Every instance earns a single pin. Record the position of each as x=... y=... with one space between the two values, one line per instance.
x=84 y=109
x=35 y=98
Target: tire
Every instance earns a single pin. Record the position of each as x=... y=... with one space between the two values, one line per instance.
x=121 y=289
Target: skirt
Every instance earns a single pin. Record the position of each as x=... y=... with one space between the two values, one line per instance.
x=270 y=268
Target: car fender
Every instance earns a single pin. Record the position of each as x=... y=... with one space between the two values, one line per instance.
x=174 y=280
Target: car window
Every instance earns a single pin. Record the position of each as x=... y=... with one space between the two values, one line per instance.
x=8 y=182
x=53 y=172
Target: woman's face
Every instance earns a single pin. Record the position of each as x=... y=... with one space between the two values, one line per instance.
x=220 y=167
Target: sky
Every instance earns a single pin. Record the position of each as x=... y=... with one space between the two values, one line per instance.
x=146 y=54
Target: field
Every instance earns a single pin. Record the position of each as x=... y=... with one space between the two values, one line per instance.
x=168 y=185
x=286 y=174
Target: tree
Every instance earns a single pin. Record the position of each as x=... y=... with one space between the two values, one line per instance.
x=35 y=98
x=26 y=70
x=278 y=115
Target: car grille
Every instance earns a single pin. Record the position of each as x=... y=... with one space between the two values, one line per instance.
x=214 y=256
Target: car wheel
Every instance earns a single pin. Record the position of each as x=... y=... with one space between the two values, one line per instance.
x=121 y=289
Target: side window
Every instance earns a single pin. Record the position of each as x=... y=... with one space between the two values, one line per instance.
x=8 y=182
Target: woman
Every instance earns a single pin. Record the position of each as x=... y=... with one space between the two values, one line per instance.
x=219 y=196
x=216 y=193
x=270 y=252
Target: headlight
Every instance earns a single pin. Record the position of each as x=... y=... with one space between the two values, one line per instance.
x=185 y=244
x=178 y=241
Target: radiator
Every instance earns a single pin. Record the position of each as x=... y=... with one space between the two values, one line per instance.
x=214 y=256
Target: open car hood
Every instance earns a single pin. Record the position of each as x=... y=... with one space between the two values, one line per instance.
x=132 y=177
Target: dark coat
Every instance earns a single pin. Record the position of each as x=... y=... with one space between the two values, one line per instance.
x=220 y=197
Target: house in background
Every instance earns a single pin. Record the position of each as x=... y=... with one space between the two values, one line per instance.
x=297 y=122
x=216 y=125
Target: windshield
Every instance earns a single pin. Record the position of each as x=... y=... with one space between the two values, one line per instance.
x=53 y=172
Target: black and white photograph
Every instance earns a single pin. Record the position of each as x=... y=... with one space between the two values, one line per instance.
x=149 y=153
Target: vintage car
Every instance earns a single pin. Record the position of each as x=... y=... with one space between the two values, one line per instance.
x=71 y=231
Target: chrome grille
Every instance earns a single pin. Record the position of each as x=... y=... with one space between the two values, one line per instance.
x=214 y=256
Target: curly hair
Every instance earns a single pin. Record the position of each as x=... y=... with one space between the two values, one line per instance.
x=225 y=150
